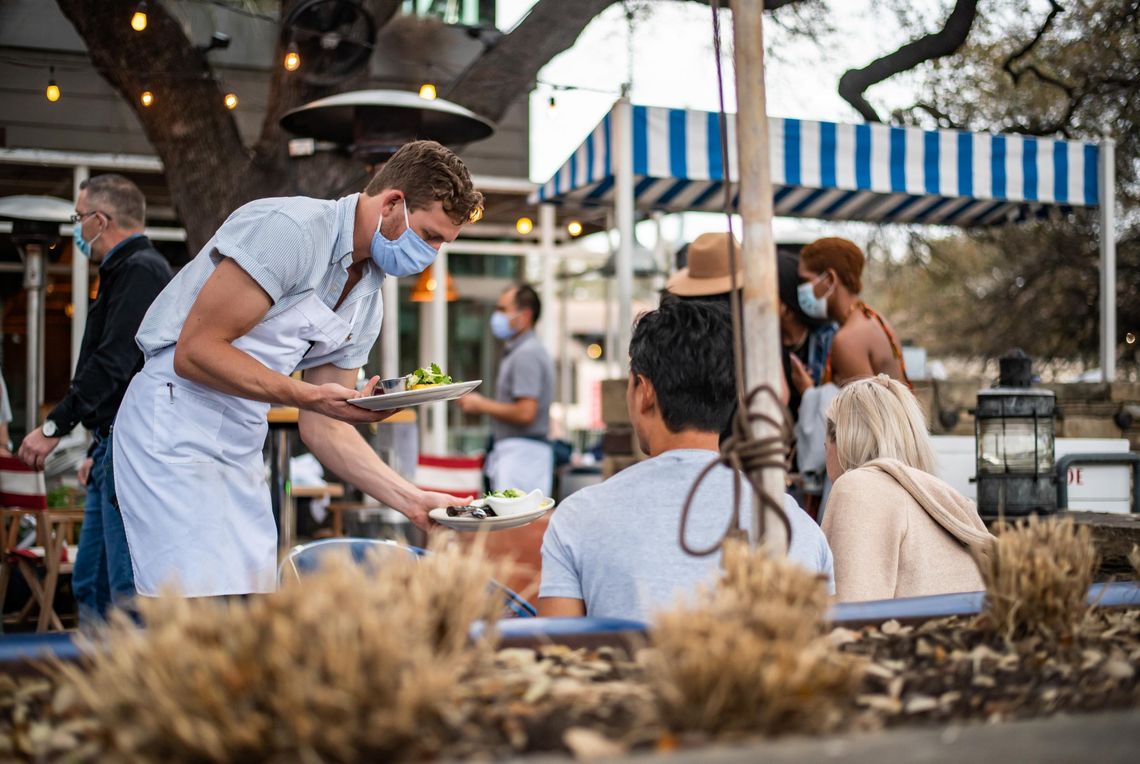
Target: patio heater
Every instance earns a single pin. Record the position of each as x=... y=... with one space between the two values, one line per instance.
x=1014 y=435
x=373 y=124
x=35 y=228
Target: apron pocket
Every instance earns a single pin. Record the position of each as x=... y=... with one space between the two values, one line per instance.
x=186 y=425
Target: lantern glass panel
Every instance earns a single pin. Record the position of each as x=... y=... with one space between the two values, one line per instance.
x=1008 y=445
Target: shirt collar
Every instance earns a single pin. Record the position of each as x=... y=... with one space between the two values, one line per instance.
x=346 y=221
x=117 y=247
x=518 y=340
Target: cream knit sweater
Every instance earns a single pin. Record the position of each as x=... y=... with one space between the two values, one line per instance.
x=896 y=531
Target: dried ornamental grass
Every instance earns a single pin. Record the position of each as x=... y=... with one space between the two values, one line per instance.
x=350 y=664
x=1134 y=558
x=1037 y=580
x=755 y=659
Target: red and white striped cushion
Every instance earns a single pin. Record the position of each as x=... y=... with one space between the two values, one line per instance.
x=20 y=485
x=457 y=475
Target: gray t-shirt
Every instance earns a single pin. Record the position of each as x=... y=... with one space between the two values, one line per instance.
x=526 y=372
x=615 y=546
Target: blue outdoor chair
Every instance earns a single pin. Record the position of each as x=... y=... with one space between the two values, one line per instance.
x=306 y=558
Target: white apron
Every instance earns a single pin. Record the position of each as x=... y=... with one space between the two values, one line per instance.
x=188 y=464
x=520 y=463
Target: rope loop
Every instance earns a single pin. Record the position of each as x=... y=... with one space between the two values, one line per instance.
x=749 y=456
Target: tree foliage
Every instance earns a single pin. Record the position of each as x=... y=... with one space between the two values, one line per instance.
x=1069 y=69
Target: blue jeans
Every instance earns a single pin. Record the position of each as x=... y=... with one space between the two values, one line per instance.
x=103 y=574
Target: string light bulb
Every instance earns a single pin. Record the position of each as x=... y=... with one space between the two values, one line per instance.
x=231 y=100
x=138 y=19
x=427 y=91
x=146 y=98
x=292 y=58
x=52 y=91
x=574 y=228
x=524 y=225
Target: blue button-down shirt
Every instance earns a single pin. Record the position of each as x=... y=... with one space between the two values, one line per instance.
x=292 y=247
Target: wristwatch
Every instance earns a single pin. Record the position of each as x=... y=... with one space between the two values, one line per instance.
x=50 y=428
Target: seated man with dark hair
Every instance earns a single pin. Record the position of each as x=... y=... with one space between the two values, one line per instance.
x=612 y=549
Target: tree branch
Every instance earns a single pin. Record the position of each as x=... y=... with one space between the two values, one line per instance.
x=1024 y=50
x=854 y=82
x=492 y=83
x=192 y=132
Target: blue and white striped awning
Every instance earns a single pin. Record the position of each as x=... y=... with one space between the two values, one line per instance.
x=867 y=172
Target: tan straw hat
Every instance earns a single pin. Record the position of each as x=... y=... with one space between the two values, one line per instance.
x=707 y=272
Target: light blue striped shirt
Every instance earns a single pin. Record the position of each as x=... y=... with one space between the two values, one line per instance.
x=292 y=247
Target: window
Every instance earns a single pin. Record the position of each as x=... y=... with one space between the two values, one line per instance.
x=467 y=12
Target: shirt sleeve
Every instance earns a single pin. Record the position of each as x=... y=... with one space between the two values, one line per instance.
x=270 y=246
x=5 y=404
x=560 y=576
x=526 y=378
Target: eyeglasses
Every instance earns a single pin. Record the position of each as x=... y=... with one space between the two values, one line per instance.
x=77 y=217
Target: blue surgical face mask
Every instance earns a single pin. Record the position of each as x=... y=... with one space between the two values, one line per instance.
x=814 y=307
x=83 y=245
x=501 y=325
x=406 y=256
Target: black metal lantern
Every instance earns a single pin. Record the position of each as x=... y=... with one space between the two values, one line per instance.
x=1014 y=436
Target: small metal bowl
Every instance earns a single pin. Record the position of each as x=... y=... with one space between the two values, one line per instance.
x=396 y=385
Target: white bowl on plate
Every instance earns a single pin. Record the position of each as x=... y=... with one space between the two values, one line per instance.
x=519 y=506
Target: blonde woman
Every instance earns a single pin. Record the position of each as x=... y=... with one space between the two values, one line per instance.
x=894 y=528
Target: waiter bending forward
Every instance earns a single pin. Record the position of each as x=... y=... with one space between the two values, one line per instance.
x=284 y=284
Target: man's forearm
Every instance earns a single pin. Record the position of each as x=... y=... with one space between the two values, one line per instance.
x=342 y=450
x=223 y=367
x=519 y=413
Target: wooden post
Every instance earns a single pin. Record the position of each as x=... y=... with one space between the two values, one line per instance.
x=761 y=295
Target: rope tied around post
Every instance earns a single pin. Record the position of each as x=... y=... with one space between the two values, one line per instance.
x=742 y=451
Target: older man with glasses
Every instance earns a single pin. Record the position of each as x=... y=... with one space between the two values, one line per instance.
x=108 y=228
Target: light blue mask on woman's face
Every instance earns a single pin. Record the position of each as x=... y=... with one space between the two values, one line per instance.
x=407 y=255
x=815 y=307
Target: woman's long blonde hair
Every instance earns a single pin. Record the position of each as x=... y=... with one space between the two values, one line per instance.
x=879 y=417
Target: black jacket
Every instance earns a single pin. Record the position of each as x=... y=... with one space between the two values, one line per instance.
x=129 y=280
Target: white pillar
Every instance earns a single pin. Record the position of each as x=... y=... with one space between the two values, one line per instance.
x=623 y=211
x=437 y=437
x=549 y=332
x=564 y=379
x=1107 y=215
x=761 y=339
x=390 y=329
x=79 y=279
x=660 y=254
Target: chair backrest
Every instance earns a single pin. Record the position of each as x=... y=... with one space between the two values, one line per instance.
x=21 y=487
x=306 y=558
x=457 y=475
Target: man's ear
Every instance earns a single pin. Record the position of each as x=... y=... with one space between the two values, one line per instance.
x=644 y=395
x=390 y=199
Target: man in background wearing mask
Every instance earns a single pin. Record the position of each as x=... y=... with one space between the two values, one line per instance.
x=108 y=229
x=520 y=455
x=284 y=284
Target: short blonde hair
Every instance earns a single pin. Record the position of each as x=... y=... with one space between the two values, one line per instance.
x=879 y=417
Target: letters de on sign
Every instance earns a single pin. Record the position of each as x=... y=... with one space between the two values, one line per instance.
x=1076 y=476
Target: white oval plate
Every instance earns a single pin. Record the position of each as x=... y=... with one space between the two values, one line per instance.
x=491 y=523
x=407 y=398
